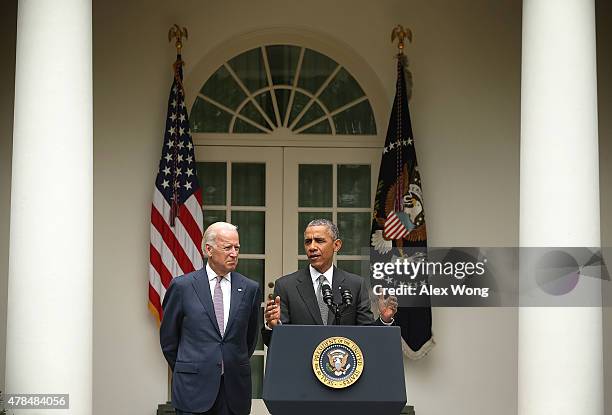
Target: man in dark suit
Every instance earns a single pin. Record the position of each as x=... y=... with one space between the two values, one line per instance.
x=298 y=295
x=209 y=330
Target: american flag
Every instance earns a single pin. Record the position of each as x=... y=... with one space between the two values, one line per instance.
x=176 y=213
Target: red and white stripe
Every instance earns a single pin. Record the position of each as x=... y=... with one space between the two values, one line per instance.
x=394 y=228
x=174 y=250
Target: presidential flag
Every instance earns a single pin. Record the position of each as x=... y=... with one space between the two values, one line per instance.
x=176 y=212
x=398 y=224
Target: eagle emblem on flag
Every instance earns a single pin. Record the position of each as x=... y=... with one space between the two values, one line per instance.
x=401 y=218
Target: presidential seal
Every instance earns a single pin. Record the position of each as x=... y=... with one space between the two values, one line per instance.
x=337 y=362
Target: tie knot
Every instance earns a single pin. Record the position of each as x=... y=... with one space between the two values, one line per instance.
x=322 y=279
x=219 y=278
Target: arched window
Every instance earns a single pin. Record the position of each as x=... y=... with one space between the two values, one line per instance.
x=282 y=87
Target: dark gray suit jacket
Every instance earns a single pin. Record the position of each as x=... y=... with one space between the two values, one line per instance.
x=299 y=301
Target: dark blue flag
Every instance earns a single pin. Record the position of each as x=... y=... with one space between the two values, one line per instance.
x=398 y=225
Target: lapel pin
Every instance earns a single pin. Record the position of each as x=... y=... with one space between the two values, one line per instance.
x=239 y=289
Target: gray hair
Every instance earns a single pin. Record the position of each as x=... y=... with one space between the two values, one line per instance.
x=210 y=234
x=331 y=226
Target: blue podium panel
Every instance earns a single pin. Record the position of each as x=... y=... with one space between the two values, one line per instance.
x=292 y=388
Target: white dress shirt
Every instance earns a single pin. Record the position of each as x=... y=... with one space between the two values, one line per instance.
x=226 y=289
x=314 y=274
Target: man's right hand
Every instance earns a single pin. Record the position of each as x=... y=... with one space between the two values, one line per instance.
x=272 y=312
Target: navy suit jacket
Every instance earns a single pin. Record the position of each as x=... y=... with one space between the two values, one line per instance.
x=192 y=344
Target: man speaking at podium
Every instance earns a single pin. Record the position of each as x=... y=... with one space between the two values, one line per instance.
x=299 y=297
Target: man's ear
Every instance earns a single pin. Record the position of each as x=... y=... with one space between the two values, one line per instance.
x=337 y=245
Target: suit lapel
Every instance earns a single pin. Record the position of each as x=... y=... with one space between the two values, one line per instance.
x=237 y=295
x=306 y=290
x=337 y=284
x=202 y=289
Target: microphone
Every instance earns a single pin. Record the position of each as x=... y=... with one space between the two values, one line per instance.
x=328 y=296
x=347 y=297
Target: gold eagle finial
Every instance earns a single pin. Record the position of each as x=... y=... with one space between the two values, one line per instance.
x=178 y=33
x=400 y=33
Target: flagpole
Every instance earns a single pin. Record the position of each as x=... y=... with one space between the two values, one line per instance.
x=177 y=33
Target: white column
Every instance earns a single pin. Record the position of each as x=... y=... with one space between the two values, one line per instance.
x=49 y=322
x=560 y=349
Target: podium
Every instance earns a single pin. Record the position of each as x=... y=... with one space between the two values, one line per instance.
x=291 y=386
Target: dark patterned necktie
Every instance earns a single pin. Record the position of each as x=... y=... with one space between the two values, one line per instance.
x=322 y=306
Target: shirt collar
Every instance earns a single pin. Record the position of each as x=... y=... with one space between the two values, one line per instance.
x=212 y=274
x=314 y=274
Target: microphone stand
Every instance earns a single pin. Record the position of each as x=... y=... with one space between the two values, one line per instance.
x=338 y=310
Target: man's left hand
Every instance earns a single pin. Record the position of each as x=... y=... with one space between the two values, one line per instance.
x=387 y=308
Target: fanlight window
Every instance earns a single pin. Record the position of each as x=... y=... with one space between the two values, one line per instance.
x=282 y=86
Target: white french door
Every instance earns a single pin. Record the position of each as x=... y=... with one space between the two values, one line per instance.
x=271 y=193
x=332 y=183
x=241 y=185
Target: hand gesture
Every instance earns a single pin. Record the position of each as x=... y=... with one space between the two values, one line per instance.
x=387 y=307
x=272 y=312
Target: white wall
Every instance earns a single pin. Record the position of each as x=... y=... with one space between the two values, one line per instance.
x=465 y=109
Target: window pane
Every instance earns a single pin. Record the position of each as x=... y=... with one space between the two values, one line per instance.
x=222 y=88
x=252 y=113
x=354 y=231
x=283 y=62
x=212 y=216
x=257 y=372
x=315 y=185
x=250 y=69
x=213 y=180
x=353 y=266
x=354 y=185
x=303 y=263
x=248 y=184
x=314 y=112
x=321 y=128
x=253 y=269
x=316 y=68
x=303 y=219
x=342 y=90
x=244 y=127
x=251 y=226
x=358 y=119
x=265 y=102
x=208 y=118
x=282 y=99
x=299 y=102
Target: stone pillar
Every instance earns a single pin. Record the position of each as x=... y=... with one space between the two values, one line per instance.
x=560 y=349
x=49 y=321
